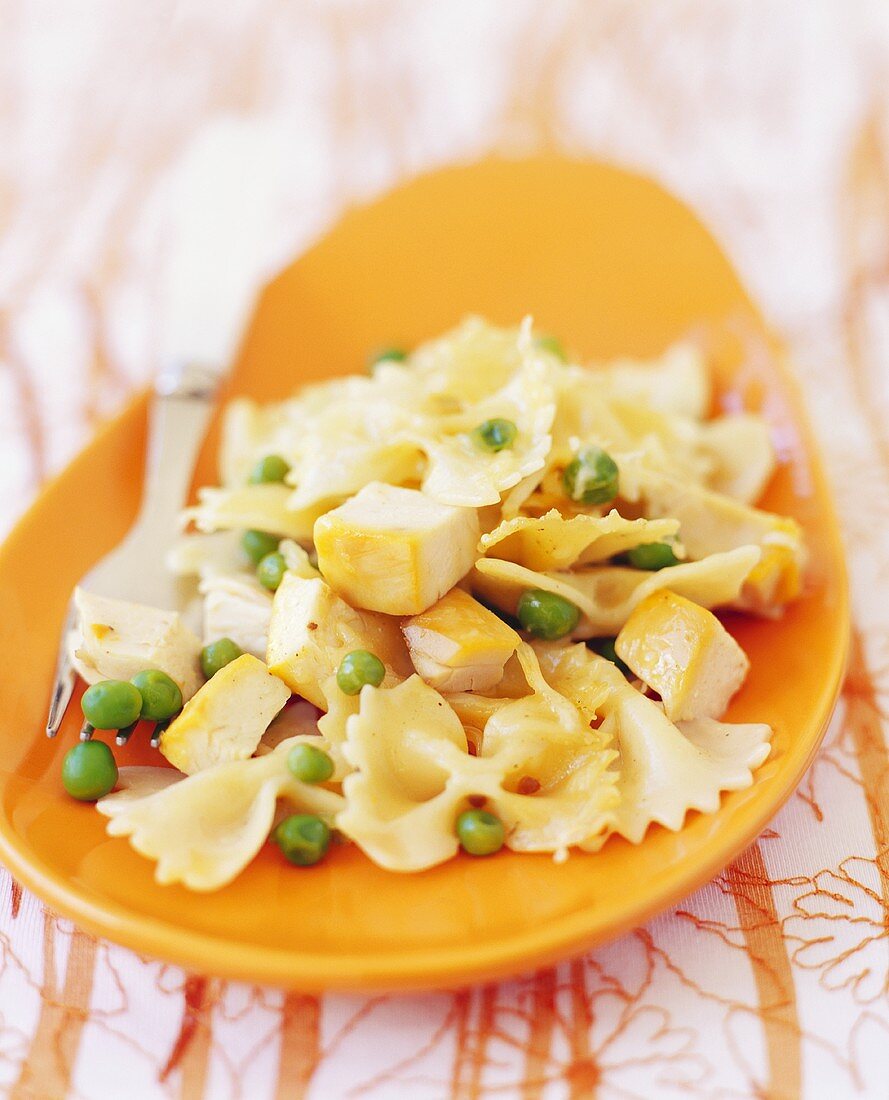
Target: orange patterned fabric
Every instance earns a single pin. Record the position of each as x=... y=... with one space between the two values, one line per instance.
x=773 y=122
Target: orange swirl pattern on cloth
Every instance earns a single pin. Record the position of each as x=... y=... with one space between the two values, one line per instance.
x=773 y=981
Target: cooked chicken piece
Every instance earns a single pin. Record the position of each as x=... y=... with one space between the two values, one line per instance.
x=115 y=639
x=226 y=718
x=238 y=608
x=312 y=629
x=458 y=644
x=685 y=654
x=710 y=523
x=395 y=550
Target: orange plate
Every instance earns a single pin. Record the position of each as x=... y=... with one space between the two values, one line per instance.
x=614 y=265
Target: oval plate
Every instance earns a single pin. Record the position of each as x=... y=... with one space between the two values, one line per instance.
x=612 y=264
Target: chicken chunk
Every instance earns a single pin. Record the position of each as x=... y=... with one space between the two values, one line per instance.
x=312 y=629
x=710 y=523
x=685 y=654
x=458 y=644
x=395 y=550
x=238 y=608
x=115 y=639
x=226 y=718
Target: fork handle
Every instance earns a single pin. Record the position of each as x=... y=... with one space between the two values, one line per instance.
x=180 y=410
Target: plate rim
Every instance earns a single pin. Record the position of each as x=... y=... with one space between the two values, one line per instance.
x=427 y=968
x=436 y=967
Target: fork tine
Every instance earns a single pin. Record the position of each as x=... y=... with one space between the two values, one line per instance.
x=156 y=734
x=63 y=682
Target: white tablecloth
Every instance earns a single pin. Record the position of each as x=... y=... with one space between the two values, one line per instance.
x=772 y=120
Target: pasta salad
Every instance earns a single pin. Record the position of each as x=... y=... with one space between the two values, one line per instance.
x=462 y=602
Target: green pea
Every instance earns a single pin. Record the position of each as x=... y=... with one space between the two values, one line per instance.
x=591 y=477
x=480 y=833
x=269 y=469
x=553 y=345
x=652 y=556
x=217 y=655
x=303 y=838
x=546 y=615
x=357 y=669
x=89 y=771
x=257 y=544
x=605 y=648
x=385 y=355
x=495 y=435
x=309 y=764
x=161 y=696
x=270 y=571
x=111 y=704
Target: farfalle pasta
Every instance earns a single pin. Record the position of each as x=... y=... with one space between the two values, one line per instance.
x=466 y=601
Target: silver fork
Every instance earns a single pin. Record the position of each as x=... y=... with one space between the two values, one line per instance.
x=220 y=244
x=135 y=570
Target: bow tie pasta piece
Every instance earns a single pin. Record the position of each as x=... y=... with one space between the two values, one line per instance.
x=351 y=431
x=552 y=542
x=471 y=362
x=633 y=432
x=459 y=645
x=671 y=444
x=574 y=672
x=238 y=608
x=676 y=383
x=249 y=432
x=115 y=639
x=557 y=786
x=711 y=523
x=540 y=768
x=664 y=770
x=218 y=554
x=402 y=800
x=607 y=594
x=205 y=829
x=312 y=629
x=582 y=417
x=684 y=653
x=395 y=550
x=252 y=507
x=474 y=711
x=574 y=805
x=741 y=455
x=137 y=782
x=574 y=808
x=332 y=725
x=226 y=718
x=732 y=455
x=462 y=470
x=332 y=475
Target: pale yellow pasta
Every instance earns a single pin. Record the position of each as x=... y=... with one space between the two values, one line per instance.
x=666 y=770
x=677 y=382
x=203 y=830
x=217 y=554
x=606 y=595
x=254 y=507
x=741 y=453
x=552 y=739
x=552 y=542
x=460 y=472
x=469 y=363
x=250 y=431
x=414 y=774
